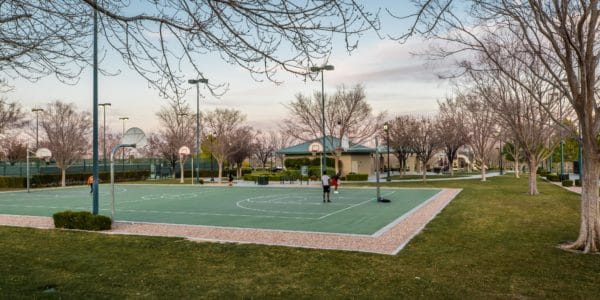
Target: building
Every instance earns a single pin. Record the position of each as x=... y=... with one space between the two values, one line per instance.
x=352 y=157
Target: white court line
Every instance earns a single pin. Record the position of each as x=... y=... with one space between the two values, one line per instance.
x=405 y=215
x=211 y=214
x=352 y=206
x=272 y=197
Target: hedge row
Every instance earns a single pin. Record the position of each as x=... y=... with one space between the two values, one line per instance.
x=205 y=173
x=567 y=183
x=76 y=179
x=552 y=177
x=296 y=163
x=83 y=220
x=13 y=182
x=43 y=180
x=357 y=177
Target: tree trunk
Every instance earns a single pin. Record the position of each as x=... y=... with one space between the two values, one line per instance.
x=181 y=162
x=533 y=177
x=220 y=164
x=424 y=168
x=482 y=171
x=588 y=240
x=517 y=168
x=63 y=180
x=402 y=166
x=451 y=167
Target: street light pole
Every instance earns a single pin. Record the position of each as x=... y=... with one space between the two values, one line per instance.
x=37 y=119
x=322 y=69
x=387 y=131
x=123 y=156
x=196 y=82
x=104 y=105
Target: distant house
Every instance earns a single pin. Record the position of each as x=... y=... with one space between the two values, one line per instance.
x=353 y=157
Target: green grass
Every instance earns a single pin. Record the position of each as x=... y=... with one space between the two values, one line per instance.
x=492 y=241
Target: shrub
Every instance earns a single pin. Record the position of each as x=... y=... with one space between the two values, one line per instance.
x=357 y=177
x=80 y=178
x=552 y=177
x=83 y=220
x=567 y=183
x=12 y=182
x=296 y=163
x=577 y=182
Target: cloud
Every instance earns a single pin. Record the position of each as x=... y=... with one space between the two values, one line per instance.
x=409 y=72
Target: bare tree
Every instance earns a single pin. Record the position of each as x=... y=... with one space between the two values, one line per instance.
x=264 y=147
x=13 y=148
x=513 y=153
x=242 y=142
x=223 y=124
x=347 y=115
x=44 y=38
x=562 y=36
x=177 y=123
x=424 y=141
x=67 y=132
x=281 y=140
x=158 y=37
x=450 y=130
x=400 y=139
x=11 y=114
x=480 y=127
x=520 y=112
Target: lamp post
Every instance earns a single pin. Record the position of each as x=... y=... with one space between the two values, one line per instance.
x=386 y=127
x=37 y=119
x=322 y=69
x=180 y=130
x=197 y=152
x=95 y=172
x=104 y=105
x=123 y=156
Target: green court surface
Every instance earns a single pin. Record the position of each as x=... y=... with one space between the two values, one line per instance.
x=352 y=211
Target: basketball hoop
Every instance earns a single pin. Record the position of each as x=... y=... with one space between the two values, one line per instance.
x=135 y=136
x=43 y=153
x=184 y=151
x=315 y=148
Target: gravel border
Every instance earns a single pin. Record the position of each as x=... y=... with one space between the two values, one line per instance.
x=388 y=242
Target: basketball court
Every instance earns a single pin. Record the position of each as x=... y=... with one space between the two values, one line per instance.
x=281 y=211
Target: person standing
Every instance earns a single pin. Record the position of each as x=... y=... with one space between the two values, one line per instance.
x=335 y=181
x=326 y=186
x=230 y=177
x=90 y=181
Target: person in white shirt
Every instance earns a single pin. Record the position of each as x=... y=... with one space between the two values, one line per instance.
x=325 y=181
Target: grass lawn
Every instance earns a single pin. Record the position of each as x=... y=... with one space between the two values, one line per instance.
x=492 y=241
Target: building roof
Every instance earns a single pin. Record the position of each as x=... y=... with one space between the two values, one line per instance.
x=330 y=144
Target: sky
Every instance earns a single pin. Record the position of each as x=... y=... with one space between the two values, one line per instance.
x=396 y=82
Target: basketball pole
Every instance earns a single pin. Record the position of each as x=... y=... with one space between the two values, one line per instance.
x=95 y=172
x=379 y=198
x=112 y=176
